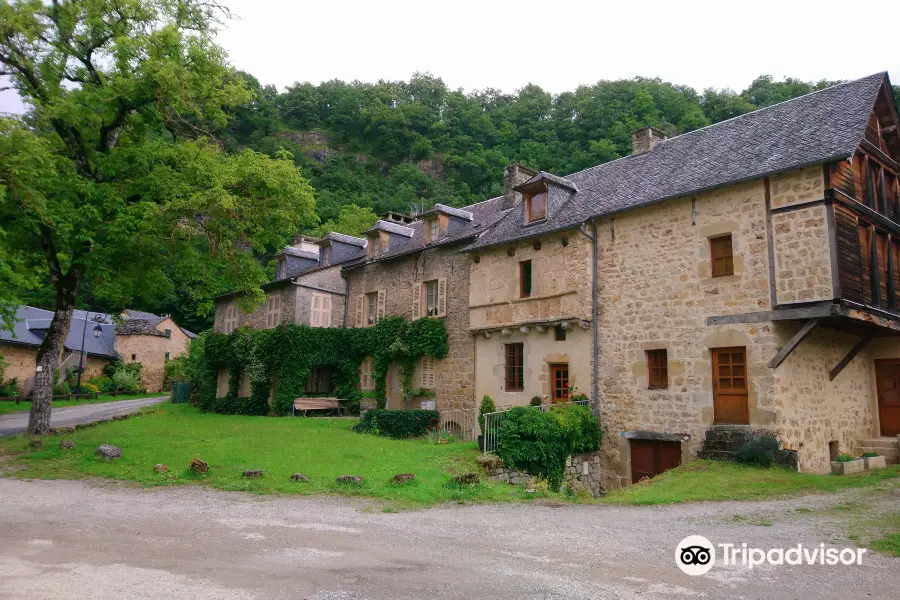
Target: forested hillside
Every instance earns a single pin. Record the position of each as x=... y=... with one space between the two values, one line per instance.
x=387 y=145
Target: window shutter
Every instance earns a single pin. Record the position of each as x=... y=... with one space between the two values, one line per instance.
x=314 y=311
x=379 y=311
x=359 y=310
x=427 y=372
x=325 y=318
x=417 y=301
x=442 y=297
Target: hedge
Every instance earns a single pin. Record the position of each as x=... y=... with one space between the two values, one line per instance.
x=539 y=442
x=232 y=405
x=398 y=424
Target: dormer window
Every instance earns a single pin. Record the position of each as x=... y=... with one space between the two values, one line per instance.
x=432 y=230
x=536 y=207
x=326 y=256
x=280 y=273
x=374 y=246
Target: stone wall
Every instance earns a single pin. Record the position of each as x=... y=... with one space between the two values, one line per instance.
x=814 y=411
x=304 y=306
x=582 y=471
x=257 y=318
x=797 y=186
x=150 y=352
x=656 y=291
x=802 y=256
x=21 y=360
x=455 y=374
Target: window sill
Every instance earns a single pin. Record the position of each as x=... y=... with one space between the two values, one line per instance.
x=514 y=390
x=535 y=222
x=657 y=387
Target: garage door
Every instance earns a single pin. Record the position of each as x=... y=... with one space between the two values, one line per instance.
x=652 y=457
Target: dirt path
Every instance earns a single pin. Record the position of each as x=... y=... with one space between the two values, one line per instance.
x=69 y=539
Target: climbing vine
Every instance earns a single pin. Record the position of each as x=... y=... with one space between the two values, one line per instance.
x=287 y=355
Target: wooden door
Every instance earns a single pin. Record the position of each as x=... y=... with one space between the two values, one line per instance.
x=652 y=457
x=559 y=383
x=887 y=380
x=730 y=386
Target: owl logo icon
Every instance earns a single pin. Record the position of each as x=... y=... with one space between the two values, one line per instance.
x=695 y=555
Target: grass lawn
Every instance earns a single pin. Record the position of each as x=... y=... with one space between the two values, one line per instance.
x=702 y=480
x=321 y=448
x=11 y=407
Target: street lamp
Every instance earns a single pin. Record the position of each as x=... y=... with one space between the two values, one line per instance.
x=97 y=331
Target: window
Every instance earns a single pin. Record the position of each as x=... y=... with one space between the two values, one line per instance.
x=167 y=357
x=371 y=308
x=536 y=207
x=658 y=369
x=427 y=372
x=319 y=381
x=525 y=279
x=230 y=318
x=559 y=383
x=366 y=377
x=559 y=332
x=432 y=230
x=722 y=256
x=515 y=376
x=134 y=357
x=169 y=333
x=279 y=273
x=431 y=298
x=326 y=256
x=320 y=310
x=273 y=311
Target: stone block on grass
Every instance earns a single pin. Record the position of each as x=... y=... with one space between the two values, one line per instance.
x=401 y=478
x=66 y=445
x=253 y=473
x=349 y=480
x=301 y=477
x=160 y=468
x=109 y=452
x=198 y=466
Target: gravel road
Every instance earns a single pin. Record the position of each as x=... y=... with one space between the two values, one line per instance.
x=74 y=539
x=17 y=422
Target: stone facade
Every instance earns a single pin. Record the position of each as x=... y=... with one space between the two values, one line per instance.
x=397 y=279
x=20 y=360
x=797 y=186
x=153 y=352
x=802 y=256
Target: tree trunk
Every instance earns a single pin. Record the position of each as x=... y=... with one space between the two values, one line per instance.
x=48 y=357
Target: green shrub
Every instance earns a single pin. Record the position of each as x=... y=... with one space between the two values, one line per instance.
x=759 y=452
x=232 y=405
x=11 y=388
x=844 y=457
x=536 y=401
x=126 y=380
x=534 y=441
x=581 y=427
x=487 y=406
x=869 y=454
x=61 y=389
x=398 y=424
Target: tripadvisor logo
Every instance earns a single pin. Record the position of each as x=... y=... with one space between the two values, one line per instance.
x=696 y=555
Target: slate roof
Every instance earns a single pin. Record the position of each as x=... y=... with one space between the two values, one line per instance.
x=139 y=314
x=448 y=210
x=139 y=327
x=545 y=176
x=346 y=239
x=381 y=225
x=819 y=127
x=300 y=253
x=31 y=327
x=484 y=215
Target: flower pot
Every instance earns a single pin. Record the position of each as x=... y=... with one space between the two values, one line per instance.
x=481 y=443
x=847 y=468
x=874 y=462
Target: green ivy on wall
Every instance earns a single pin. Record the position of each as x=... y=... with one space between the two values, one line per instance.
x=288 y=354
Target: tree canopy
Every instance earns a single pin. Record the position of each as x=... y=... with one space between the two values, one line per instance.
x=114 y=180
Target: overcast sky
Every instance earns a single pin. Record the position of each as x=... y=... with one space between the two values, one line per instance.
x=557 y=44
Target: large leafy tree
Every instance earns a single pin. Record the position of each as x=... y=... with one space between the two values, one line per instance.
x=113 y=175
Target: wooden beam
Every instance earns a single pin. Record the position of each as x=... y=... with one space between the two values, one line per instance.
x=783 y=314
x=793 y=343
x=859 y=347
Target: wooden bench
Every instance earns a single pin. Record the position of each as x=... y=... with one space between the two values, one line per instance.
x=305 y=404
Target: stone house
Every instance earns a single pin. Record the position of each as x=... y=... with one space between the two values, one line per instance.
x=743 y=276
x=143 y=337
x=746 y=273
x=309 y=291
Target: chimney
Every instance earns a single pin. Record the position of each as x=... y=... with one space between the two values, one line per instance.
x=643 y=140
x=514 y=175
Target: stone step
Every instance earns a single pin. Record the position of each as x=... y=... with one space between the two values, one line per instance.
x=716 y=455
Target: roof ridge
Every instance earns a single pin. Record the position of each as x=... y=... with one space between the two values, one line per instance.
x=752 y=112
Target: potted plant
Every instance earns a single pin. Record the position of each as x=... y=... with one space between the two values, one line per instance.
x=487 y=406
x=537 y=401
x=845 y=464
x=873 y=461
